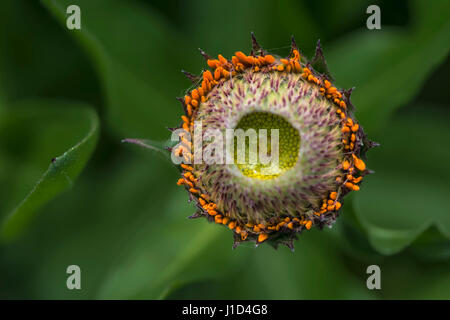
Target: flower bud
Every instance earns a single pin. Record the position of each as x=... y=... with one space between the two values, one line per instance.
x=290 y=147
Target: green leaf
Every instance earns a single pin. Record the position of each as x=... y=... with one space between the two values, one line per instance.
x=389 y=66
x=120 y=199
x=158 y=147
x=170 y=249
x=52 y=127
x=46 y=51
x=217 y=34
x=436 y=288
x=432 y=245
x=160 y=265
x=314 y=271
x=407 y=194
x=138 y=63
x=405 y=277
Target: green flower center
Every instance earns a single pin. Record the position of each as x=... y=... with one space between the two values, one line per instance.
x=262 y=161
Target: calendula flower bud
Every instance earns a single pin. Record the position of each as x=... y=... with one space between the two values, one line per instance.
x=309 y=160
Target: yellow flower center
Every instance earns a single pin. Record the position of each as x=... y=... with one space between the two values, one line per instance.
x=262 y=161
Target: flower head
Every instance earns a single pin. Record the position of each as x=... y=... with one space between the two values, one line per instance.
x=313 y=141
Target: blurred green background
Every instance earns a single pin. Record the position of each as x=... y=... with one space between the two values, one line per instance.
x=71 y=193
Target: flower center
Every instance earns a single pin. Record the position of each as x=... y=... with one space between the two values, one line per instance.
x=269 y=143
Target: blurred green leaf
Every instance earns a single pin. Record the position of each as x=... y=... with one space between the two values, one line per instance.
x=314 y=271
x=389 y=66
x=160 y=265
x=172 y=249
x=138 y=63
x=123 y=199
x=405 y=277
x=408 y=192
x=225 y=29
x=28 y=54
x=436 y=288
x=431 y=245
x=298 y=21
x=79 y=125
x=351 y=237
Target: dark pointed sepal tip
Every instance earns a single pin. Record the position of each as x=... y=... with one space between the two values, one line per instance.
x=256 y=47
x=347 y=98
x=236 y=241
x=319 y=52
x=320 y=225
x=293 y=45
x=171 y=129
x=319 y=63
x=181 y=99
x=366 y=144
x=168 y=148
x=204 y=54
x=195 y=215
x=347 y=93
x=183 y=104
x=372 y=144
x=235 y=245
x=192 y=77
x=281 y=238
x=289 y=243
x=274 y=243
x=199 y=207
